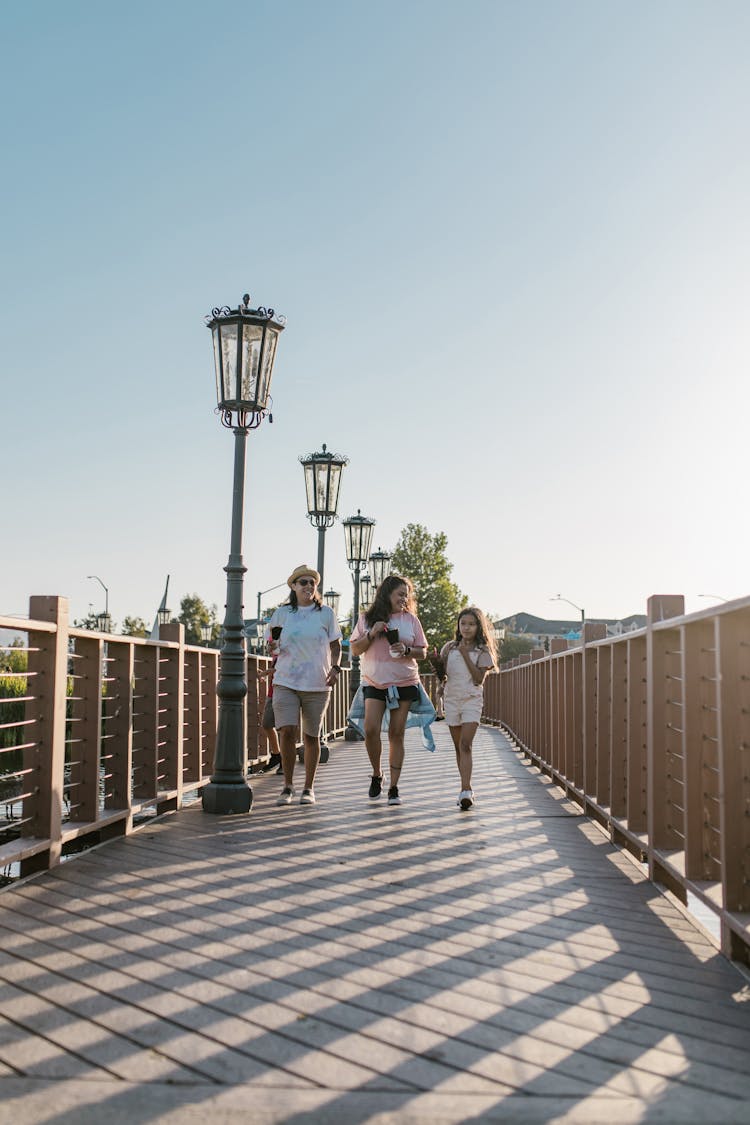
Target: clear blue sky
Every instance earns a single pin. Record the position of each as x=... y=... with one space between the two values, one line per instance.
x=512 y=244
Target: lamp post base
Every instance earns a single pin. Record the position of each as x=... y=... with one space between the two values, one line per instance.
x=227 y=798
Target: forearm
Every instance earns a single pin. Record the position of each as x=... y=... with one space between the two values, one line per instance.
x=360 y=645
x=477 y=674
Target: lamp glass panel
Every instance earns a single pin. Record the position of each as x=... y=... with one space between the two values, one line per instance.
x=367 y=530
x=217 y=362
x=322 y=471
x=268 y=359
x=380 y=567
x=334 y=486
x=358 y=538
x=252 y=338
x=311 y=488
x=332 y=598
x=228 y=361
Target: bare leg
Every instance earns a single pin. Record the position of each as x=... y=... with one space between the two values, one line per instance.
x=312 y=757
x=463 y=738
x=374 y=709
x=273 y=740
x=396 y=728
x=287 y=738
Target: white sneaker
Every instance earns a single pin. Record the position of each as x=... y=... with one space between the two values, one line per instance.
x=308 y=797
x=465 y=799
x=285 y=796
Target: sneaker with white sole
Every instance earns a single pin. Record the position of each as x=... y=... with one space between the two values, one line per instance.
x=285 y=796
x=376 y=787
x=307 y=798
x=465 y=799
x=393 y=797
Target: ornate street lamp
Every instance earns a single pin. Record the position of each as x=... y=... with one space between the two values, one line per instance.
x=104 y=622
x=207 y=632
x=332 y=599
x=245 y=342
x=358 y=536
x=366 y=592
x=163 y=615
x=322 y=484
x=381 y=564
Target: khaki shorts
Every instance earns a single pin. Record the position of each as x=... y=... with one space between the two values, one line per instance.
x=268 y=719
x=460 y=711
x=287 y=704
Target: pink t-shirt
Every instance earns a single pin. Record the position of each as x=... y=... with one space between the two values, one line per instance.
x=379 y=669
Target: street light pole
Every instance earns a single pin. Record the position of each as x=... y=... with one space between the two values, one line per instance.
x=105 y=623
x=245 y=342
x=358 y=536
x=322 y=483
x=559 y=598
x=260 y=595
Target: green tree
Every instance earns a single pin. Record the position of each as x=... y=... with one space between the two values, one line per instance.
x=88 y=622
x=513 y=646
x=13 y=687
x=194 y=613
x=422 y=558
x=135 y=627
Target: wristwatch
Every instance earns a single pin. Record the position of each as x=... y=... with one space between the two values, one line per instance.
x=335 y=667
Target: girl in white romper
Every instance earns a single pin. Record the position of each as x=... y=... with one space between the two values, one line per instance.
x=468 y=659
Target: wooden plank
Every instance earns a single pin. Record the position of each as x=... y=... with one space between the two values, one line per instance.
x=410 y=950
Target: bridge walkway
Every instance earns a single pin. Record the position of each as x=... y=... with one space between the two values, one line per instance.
x=354 y=962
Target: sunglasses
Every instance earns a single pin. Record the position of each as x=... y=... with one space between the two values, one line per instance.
x=305 y=581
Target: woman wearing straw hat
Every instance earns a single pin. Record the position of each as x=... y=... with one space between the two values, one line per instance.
x=305 y=637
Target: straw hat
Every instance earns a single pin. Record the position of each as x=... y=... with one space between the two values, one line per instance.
x=302 y=572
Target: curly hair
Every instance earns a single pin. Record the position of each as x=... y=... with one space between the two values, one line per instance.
x=380 y=610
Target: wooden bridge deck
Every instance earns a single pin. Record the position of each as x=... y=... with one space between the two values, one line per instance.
x=352 y=962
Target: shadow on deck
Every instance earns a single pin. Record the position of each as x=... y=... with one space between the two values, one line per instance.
x=352 y=962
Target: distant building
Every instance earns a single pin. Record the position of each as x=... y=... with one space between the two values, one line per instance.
x=539 y=630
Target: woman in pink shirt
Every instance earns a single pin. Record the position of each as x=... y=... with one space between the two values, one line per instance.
x=389 y=667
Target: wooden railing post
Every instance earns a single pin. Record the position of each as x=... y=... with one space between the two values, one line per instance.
x=120 y=728
x=637 y=725
x=48 y=680
x=733 y=637
x=618 y=738
x=86 y=724
x=172 y=720
x=700 y=746
x=665 y=724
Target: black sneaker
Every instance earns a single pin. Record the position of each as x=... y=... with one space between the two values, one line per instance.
x=393 y=797
x=376 y=787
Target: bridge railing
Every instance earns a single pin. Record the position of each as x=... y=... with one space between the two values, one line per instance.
x=650 y=733
x=99 y=731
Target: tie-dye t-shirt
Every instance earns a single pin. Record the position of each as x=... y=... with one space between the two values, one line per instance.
x=304 y=646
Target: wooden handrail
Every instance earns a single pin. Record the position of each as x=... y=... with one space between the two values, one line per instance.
x=650 y=733
x=112 y=728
